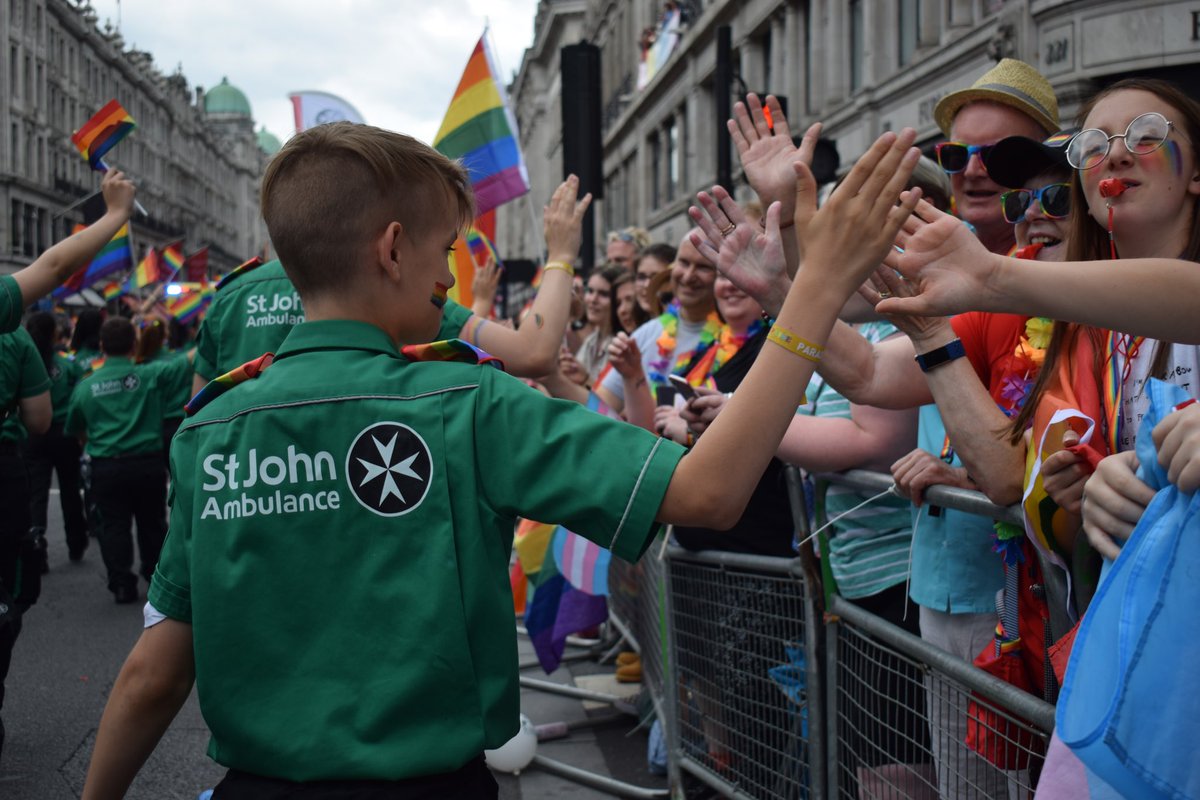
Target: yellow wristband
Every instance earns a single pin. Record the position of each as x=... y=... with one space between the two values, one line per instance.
x=795 y=344
x=563 y=265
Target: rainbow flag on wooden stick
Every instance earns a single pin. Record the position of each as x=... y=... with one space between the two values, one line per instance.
x=99 y=134
x=149 y=270
x=480 y=129
x=172 y=256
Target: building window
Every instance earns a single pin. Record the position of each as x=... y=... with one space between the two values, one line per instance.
x=767 y=85
x=14 y=227
x=656 y=171
x=673 y=159
x=910 y=26
x=856 y=44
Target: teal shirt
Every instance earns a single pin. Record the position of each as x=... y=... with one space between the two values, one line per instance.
x=22 y=375
x=11 y=304
x=254 y=313
x=339 y=541
x=953 y=567
x=119 y=406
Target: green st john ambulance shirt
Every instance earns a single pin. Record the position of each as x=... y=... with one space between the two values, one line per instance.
x=254 y=313
x=22 y=375
x=339 y=541
x=64 y=374
x=11 y=304
x=120 y=407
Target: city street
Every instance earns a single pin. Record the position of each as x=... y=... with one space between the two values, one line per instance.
x=71 y=650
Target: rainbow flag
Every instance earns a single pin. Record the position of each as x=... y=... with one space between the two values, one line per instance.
x=481 y=247
x=172 y=256
x=112 y=290
x=480 y=130
x=190 y=304
x=149 y=270
x=115 y=256
x=99 y=134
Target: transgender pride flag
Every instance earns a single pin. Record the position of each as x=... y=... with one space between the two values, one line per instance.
x=480 y=129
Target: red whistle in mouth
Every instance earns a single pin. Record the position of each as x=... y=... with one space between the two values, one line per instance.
x=1112 y=187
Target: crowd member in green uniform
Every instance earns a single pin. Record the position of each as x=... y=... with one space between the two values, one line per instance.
x=54 y=452
x=85 y=339
x=336 y=577
x=61 y=260
x=256 y=306
x=117 y=411
x=150 y=350
x=24 y=406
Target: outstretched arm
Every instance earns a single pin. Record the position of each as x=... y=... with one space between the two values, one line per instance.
x=66 y=257
x=846 y=239
x=953 y=273
x=532 y=350
x=153 y=685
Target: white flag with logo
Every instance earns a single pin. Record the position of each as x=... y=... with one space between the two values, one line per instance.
x=316 y=108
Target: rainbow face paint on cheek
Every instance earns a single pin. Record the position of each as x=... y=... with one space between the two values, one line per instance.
x=1174 y=156
x=440 y=291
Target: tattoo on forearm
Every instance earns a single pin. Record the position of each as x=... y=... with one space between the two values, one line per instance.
x=640 y=382
x=538 y=321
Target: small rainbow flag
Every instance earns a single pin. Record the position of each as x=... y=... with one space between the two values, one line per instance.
x=112 y=290
x=149 y=270
x=115 y=256
x=172 y=255
x=480 y=129
x=99 y=134
x=482 y=248
x=189 y=305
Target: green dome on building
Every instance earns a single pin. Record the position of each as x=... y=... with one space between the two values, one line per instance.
x=225 y=98
x=268 y=142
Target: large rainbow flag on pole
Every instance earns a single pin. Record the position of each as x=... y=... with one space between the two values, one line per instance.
x=480 y=129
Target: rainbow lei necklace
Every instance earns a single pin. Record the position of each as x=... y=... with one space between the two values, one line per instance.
x=667 y=339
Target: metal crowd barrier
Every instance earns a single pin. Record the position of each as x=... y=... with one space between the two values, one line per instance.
x=763 y=693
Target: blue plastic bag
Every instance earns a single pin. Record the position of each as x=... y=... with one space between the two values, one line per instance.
x=1129 y=708
x=656 y=750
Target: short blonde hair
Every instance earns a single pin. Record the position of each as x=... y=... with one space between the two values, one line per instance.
x=331 y=189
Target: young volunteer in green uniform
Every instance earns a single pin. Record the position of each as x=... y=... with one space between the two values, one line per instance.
x=61 y=261
x=118 y=411
x=24 y=405
x=335 y=580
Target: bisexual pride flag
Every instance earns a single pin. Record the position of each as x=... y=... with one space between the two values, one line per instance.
x=480 y=130
x=99 y=134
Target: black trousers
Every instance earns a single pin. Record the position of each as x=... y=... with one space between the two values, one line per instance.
x=124 y=490
x=55 y=452
x=473 y=781
x=20 y=583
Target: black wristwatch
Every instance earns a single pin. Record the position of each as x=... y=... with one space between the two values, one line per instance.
x=941 y=355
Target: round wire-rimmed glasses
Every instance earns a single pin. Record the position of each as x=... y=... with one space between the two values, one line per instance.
x=1145 y=134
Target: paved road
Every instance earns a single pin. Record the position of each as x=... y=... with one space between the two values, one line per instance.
x=71 y=650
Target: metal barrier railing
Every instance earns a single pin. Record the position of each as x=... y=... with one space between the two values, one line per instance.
x=764 y=696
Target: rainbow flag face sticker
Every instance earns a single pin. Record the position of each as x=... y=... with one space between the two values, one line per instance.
x=439 y=295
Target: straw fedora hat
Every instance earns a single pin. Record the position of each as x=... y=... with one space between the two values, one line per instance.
x=1012 y=83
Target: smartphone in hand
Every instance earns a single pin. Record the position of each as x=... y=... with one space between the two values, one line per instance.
x=664 y=395
x=685 y=389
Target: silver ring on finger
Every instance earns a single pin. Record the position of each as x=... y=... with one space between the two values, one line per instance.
x=885 y=294
x=728 y=229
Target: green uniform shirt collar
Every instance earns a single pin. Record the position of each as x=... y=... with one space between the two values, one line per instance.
x=336 y=334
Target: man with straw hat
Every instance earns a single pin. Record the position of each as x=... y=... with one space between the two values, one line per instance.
x=1011 y=99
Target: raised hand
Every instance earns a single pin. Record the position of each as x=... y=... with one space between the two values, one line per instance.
x=563 y=221
x=750 y=256
x=925 y=332
x=702 y=409
x=118 y=192
x=947 y=264
x=849 y=235
x=624 y=355
x=571 y=369
x=767 y=157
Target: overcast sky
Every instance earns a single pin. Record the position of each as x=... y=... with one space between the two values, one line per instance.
x=396 y=61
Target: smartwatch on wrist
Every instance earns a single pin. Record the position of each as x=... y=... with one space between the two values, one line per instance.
x=941 y=355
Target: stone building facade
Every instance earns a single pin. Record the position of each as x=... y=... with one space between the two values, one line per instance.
x=859 y=66
x=195 y=156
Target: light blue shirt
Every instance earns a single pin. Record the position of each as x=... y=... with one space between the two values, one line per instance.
x=953 y=567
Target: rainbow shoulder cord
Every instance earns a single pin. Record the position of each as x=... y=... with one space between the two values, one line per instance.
x=450 y=350
x=219 y=386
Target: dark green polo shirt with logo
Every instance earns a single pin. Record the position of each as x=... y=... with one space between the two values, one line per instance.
x=11 y=304
x=119 y=406
x=253 y=313
x=64 y=374
x=339 y=541
x=22 y=375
